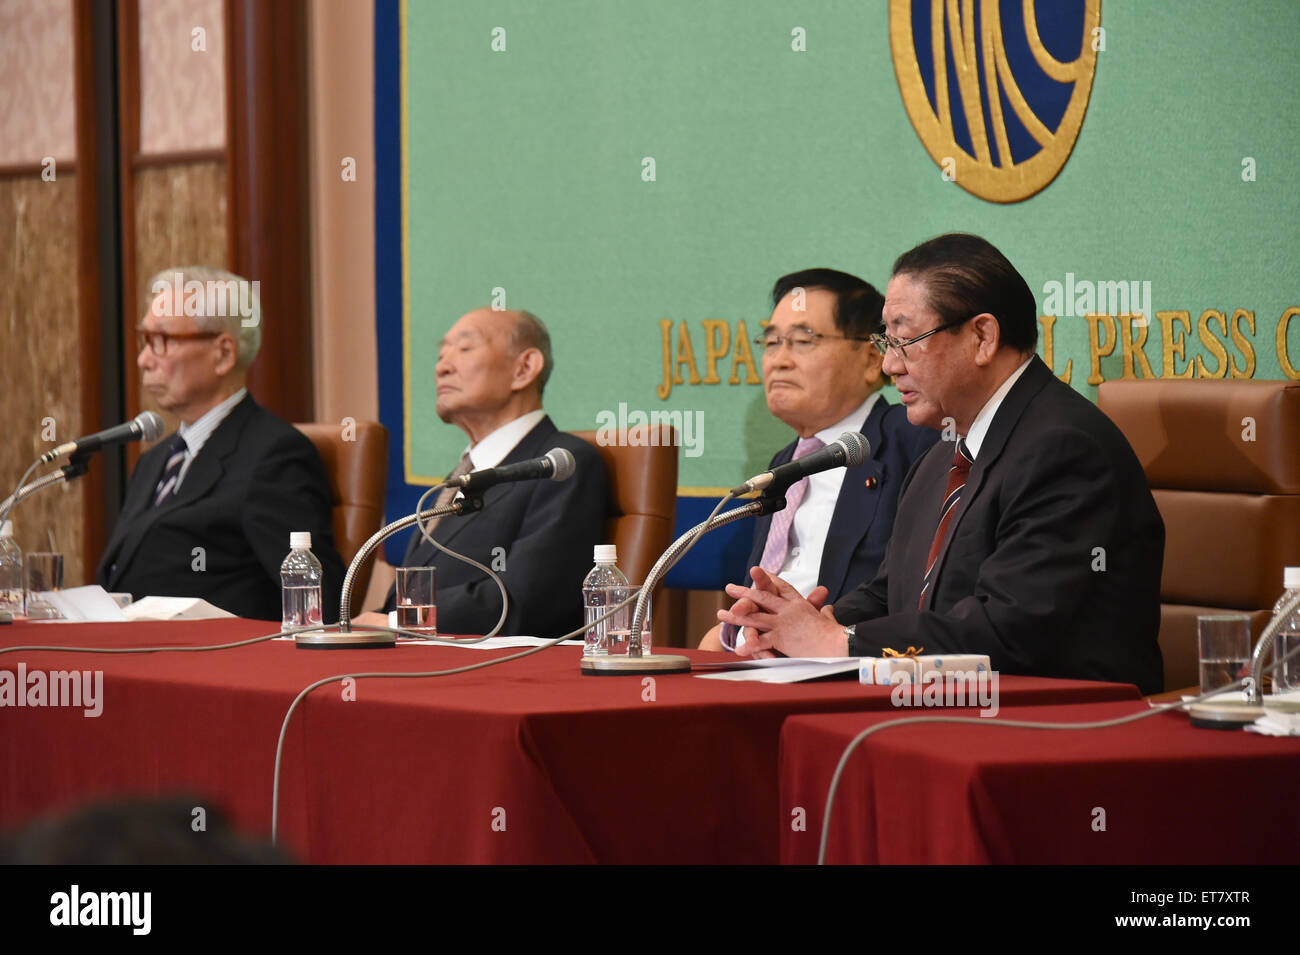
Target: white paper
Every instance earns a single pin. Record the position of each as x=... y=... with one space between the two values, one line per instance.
x=785 y=669
x=90 y=604
x=496 y=643
x=173 y=608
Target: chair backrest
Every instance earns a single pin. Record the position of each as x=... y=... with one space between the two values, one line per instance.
x=1223 y=462
x=642 y=467
x=356 y=460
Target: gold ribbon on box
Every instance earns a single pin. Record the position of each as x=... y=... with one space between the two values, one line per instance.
x=910 y=653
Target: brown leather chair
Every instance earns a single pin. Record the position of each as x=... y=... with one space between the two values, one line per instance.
x=356 y=460
x=1223 y=461
x=642 y=469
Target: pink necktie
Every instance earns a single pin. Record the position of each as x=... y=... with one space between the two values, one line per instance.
x=778 y=534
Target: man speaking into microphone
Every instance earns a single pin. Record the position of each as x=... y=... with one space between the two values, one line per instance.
x=538 y=534
x=209 y=509
x=1030 y=535
x=822 y=378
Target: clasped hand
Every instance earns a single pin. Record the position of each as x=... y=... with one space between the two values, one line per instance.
x=776 y=617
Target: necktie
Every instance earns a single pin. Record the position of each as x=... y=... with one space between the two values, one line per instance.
x=448 y=494
x=961 y=462
x=778 y=533
x=172 y=472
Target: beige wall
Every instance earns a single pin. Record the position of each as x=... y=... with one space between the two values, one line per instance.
x=341 y=64
x=341 y=58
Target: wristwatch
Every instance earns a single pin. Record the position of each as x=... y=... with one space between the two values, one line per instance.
x=851 y=631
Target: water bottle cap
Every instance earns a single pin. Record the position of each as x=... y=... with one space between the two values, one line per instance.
x=607 y=553
x=300 y=539
x=6 y=529
x=1291 y=578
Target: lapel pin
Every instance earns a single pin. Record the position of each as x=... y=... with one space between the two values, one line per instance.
x=869 y=483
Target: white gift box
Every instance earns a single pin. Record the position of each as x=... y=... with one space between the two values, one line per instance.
x=884 y=671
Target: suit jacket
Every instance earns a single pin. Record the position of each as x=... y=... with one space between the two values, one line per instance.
x=864 y=515
x=254 y=480
x=545 y=531
x=1052 y=563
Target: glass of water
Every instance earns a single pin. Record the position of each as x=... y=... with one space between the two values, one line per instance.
x=416 y=607
x=44 y=572
x=1224 y=641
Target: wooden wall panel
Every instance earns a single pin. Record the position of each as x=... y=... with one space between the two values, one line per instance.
x=180 y=219
x=39 y=355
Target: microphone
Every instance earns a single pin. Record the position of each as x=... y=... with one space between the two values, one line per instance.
x=847 y=451
x=147 y=425
x=558 y=465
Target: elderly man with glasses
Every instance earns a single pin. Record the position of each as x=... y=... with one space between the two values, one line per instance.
x=822 y=379
x=1030 y=535
x=209 y=509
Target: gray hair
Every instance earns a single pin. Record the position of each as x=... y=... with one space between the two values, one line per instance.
x=529 y=332
x=217 y=300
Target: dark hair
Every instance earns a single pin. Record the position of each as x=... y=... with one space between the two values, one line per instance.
x=137 y=831
x=857 y=303
x=964 y=276
x=529 y=332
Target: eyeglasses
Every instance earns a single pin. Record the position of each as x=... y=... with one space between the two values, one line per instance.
x=886 y=342
x=802 y=340
x=157 y=341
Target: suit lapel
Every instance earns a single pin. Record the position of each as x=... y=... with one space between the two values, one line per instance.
x=203 y=475
x=855 y=506
x=134 y=518
x=533 y=445
x=1004 y=422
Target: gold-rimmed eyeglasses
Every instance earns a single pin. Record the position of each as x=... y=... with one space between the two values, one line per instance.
x=886 y=342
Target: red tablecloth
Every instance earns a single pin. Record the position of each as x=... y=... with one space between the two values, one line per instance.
x=953 y=793
x=577 y=769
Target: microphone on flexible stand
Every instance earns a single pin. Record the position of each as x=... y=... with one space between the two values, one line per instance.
x=147 y=426
x=847 y=451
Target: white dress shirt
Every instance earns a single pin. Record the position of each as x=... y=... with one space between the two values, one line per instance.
x=494 y=448
x=980 y=426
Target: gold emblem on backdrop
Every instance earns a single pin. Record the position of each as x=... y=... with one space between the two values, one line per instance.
x=993 y=176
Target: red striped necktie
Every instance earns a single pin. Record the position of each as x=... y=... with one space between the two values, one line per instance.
x=961 y=462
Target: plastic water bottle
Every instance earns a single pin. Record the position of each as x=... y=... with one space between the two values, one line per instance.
x=300 y=577
x=604 y=587
x=12 y=594
x=1287 y=676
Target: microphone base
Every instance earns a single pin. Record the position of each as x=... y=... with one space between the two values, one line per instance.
x=353 y=640
x=635 y=666
x=1223 y=716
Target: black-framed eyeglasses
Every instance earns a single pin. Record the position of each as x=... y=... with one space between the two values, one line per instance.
x=886 y=342
x=157 y=341
x=802 y=340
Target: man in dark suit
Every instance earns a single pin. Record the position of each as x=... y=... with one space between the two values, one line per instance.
x=1030 y=535
x=822 y=378
x=208 y=511
x=539 y=535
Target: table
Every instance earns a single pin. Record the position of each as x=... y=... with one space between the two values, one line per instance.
x=525 y=762
x=952 y=793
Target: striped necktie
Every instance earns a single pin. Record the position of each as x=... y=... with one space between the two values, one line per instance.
x=172 y=472
x=778 y=532
x=448 y=494
x=961 y=463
